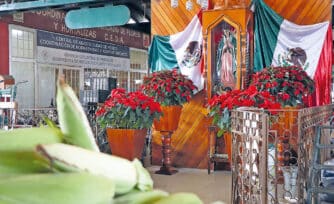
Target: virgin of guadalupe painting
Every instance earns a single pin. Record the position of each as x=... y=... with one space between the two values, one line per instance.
x=226 y=61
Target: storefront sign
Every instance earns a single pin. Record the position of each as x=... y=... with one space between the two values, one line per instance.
x=54 y=21
x=55 y=48
x=54 y=40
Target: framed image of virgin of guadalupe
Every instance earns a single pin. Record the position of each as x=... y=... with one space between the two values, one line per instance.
x=228 y=52
x=224 y=57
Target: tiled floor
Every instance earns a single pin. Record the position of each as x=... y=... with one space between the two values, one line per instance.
x=210 y=188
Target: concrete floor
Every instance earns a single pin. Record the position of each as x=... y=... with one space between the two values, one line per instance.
x=214 y=188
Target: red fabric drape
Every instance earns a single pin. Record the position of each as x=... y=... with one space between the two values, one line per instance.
x=4 y=48
x=323 y=74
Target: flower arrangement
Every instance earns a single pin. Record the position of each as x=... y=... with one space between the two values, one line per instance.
x=169 y=87
x=133 y=110
x=289 y=84
x=220 y=106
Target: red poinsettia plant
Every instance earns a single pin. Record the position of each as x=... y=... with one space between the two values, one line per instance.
x=169 y=87
x=290 y=84
x=220 y=106
x=133 y=110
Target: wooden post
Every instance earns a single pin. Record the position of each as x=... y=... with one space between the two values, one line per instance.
x=166 y=167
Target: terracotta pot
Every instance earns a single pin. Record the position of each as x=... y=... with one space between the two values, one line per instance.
x=170 y=119
x=127 y=143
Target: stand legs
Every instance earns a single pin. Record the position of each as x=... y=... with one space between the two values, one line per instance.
x=166 y=167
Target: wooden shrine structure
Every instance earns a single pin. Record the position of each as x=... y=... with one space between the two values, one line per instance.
x=190 y=142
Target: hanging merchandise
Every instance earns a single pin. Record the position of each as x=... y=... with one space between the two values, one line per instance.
x=174 y=3
x=199 y=2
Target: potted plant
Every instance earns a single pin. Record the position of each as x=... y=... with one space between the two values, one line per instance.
x=220 y=107
x=291 y=85
x=126 y=117
x=171 y=89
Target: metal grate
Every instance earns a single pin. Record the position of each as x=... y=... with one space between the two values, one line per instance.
x=271 y=153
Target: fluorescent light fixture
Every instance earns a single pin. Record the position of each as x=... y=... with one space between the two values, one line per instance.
x=131 y=21
x=144 y=20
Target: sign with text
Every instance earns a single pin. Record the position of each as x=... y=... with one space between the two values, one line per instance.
x=48 y=55
x=54 y=21
x=72 y=51
x=54 y=40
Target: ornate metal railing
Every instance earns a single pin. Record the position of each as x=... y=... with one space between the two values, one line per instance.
x=271 y=153
x=99 y=133
x=32 y=117
x=11 y=117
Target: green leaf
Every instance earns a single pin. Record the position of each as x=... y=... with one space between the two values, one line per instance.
x=126 y=112
x=72 y=118
x=64 y=188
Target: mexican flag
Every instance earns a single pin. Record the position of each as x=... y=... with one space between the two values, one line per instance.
x=182 y=50
x=280 y=42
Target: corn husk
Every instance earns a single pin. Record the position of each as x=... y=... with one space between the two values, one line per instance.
x=140 y=197
x=184 y=198
x=60 y=188
x=71 y=158
x=72 y=119
x=22 y=162
x=27 y=138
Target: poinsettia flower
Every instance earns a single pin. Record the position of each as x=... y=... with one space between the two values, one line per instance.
x=270 y=89
x=297 y=92
x=285 y=96
x=109 y=103
x=155 y=107
x=100 y=111
x=172 y=88
x=268 y=85
x=285 y=83
x=118 y=92
x=116 y=113
x=248 y=102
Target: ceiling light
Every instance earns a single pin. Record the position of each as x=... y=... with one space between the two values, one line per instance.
x=131 y=21
x=144 y=20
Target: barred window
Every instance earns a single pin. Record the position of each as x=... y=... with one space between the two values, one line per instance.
x=22 y=43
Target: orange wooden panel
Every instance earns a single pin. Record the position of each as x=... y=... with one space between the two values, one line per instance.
x=303 y=11
x=167 y=20
x=190 y=140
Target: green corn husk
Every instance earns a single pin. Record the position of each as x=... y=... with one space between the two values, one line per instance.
x=144 y=180
x=27 y=138
x=71 y=158
x=22 y=162
x=72 y=119
x=184 y=198
x=49 y=122
x=140 y=197
x=60 y=188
